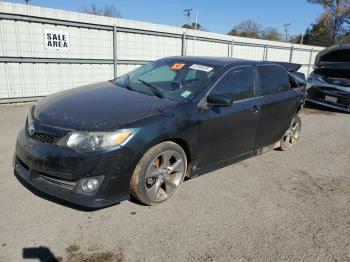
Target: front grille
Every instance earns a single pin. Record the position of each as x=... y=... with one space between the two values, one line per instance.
x=320 y=93
x=44 y=138
x=315 y=93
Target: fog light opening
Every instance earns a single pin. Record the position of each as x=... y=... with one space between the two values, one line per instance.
x=90 y=185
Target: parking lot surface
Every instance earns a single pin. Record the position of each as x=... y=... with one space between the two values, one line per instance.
x=292 y=206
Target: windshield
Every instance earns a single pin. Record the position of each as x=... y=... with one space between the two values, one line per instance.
x=169 y=78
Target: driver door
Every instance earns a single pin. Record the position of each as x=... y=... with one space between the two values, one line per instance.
x=228 y=132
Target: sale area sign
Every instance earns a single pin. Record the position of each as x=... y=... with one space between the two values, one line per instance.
x=56 y=39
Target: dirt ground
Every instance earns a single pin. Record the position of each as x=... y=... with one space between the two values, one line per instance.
x=292 y=206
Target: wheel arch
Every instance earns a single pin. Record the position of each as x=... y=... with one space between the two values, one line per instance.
x=186 y=148
x=299 y=109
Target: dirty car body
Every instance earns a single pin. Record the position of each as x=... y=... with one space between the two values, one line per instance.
x=63 y=146
x=329 y=84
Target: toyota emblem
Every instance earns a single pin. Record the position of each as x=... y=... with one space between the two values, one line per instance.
x=31 y=129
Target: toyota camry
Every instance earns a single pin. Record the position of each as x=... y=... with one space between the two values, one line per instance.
x=144 y=132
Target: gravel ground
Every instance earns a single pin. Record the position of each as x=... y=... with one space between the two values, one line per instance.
x=292 y=206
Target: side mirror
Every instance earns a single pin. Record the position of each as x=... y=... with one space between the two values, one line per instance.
x=219 y=100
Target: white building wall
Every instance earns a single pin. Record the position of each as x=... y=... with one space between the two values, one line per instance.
x=25 y=39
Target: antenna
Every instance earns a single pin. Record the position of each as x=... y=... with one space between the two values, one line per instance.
x=286 y=30
x=187 y=12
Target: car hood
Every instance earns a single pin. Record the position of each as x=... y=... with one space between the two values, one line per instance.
x=335 y=57
x=98 y=107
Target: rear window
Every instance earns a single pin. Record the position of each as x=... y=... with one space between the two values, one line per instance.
x=274 y=79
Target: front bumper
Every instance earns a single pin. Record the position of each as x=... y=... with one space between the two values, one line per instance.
x=339 y=100
x=56 y=170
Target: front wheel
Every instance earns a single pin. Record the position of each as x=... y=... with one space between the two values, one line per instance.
x=159 y=173
x=291 y=136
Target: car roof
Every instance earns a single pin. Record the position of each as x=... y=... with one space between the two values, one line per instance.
x=219 y=61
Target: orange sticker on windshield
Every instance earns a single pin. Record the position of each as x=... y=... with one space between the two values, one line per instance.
x=177 y=66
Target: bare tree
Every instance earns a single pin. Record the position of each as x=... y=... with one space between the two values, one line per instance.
x=271 y=33
x=107 y=10
x=246 y=28
x=336 y=16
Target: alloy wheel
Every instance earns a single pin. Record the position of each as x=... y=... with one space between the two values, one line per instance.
x=291 y=136
x=164 y=175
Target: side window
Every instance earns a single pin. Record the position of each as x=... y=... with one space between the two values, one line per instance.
x=237 y=84
x=273 y=79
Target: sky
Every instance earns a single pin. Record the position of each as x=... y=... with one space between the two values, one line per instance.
x=217 y=16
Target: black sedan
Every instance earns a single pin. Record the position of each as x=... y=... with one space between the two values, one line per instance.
x=144 y=132
x=329 y=84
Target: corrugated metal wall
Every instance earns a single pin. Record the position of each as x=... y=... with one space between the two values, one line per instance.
x=101 y=47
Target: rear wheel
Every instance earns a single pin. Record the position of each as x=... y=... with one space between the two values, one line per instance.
x=159 y=173
x=291 y=136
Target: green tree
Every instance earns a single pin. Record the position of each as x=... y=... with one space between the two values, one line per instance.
x=319 y=33
x=296 y=39
x=192 y=26
x=335 y=19
x=345 y=39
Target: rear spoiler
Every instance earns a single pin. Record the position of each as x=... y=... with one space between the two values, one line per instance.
x=290 y=67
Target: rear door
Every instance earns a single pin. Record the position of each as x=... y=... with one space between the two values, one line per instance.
x=279 y=103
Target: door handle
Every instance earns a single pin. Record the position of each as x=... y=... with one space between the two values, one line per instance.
x=255 y=109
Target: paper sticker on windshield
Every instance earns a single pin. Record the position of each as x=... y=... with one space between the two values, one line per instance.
x=186 y=93
x=201 y=68
x=177 y=66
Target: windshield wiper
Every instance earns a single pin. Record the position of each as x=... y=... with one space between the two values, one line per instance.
x=154 y=89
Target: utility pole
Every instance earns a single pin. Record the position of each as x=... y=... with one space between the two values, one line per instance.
x=195 y=33
x=286 y=30
x=187 y=12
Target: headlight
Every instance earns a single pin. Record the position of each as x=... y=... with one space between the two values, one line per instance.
x=95 y=141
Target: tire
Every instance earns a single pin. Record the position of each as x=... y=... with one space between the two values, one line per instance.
x=291 y=137
x=159 y=173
